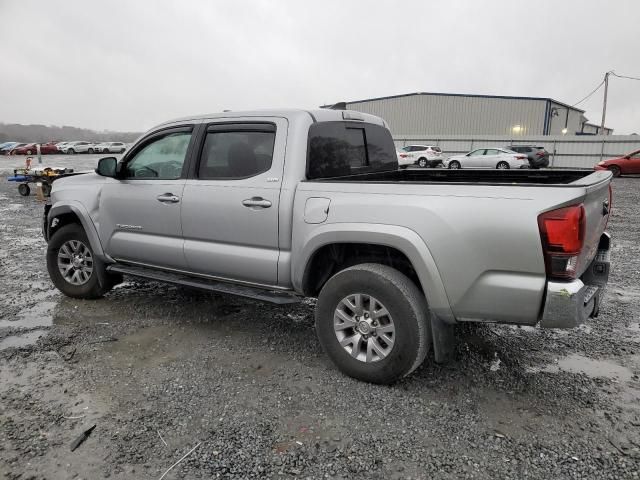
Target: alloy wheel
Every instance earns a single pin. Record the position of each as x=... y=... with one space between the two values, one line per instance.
x=75 y=262
x=364 y=327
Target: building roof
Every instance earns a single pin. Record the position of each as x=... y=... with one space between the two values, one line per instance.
x=505 y=97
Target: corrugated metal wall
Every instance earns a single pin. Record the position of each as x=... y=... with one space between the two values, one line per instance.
x=566 y=151
x=446 y=114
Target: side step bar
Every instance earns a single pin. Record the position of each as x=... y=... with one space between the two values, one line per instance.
x=280 y=298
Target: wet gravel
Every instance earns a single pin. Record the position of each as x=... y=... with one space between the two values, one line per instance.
x=160 y=370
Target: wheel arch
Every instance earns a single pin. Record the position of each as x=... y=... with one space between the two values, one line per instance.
x=74 y=213
x=396 y=246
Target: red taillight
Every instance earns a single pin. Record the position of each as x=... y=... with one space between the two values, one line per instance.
x=403 y=155
x=540 y=154
x=562 y=234
x=521 y=157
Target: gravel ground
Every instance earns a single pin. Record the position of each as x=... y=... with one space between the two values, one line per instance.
x=162 y=370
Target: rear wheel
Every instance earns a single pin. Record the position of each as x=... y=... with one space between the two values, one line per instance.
x=105 y=150
x=454 y=165
x=90 y=150
x=502 y=166
x=72 y=265
x=615 y=170
x=71 y=151
x=371 y=321
x=29 y=152
x=422 y=162
x=24 y=190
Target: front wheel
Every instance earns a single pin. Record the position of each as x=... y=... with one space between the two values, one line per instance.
x=90 y=151
x=615 y=170
x=422 y=163
x=454 y=165
x=71 y=151
x=105 y=150
x=371 y=321
x=72 y=265
x=502 y=166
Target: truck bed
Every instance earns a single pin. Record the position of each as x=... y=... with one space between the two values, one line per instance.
x=471 y=176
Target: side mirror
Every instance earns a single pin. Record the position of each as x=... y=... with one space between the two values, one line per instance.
x=107 y=167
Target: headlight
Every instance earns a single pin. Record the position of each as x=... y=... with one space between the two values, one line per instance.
x=601 y=163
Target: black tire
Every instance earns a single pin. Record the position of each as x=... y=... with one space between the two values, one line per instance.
x=92 y=288
x=422 y=162
x=46 y=189
x=407 y=307
x=29 y=152
x=615 y=170
x=105 y=150
x=454 y=165
x=403 y=167
x=71 y=151
x=90 y=151
x=24 y=189
x=503 y=166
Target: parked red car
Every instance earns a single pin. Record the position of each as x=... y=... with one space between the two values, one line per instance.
x=30 y=149
x=621 y=166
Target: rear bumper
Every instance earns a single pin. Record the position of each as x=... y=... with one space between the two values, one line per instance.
x=569 y=304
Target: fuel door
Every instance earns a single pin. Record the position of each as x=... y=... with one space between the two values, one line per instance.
x=316 y=210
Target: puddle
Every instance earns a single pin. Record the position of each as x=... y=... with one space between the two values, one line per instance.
x=592 y=368
x=40 y=315
x=23 y=340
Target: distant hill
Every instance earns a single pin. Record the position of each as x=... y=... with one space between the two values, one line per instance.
x=44 y=133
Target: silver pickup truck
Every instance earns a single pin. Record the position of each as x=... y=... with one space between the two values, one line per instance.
x=278 y=205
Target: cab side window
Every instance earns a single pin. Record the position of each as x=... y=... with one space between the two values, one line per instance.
x=236 y=154
x=161 y=159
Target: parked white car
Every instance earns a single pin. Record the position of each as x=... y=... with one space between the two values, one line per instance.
x=500 y=158
x=78 y=147
x=421 y=155
x=110 y=147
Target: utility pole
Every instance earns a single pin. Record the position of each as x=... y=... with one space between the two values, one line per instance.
x=604 y=103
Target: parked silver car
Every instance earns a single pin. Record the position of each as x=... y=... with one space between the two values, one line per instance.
x=110 y=147
x=499 y=158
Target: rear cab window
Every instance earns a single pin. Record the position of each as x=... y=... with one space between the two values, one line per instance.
x=346 y=148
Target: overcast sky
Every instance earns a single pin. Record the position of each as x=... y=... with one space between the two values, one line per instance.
x=127 y=65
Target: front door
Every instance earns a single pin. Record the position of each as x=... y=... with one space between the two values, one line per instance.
x=230 y=208
x=633 y=163
x=475 y=159
x=139 y=216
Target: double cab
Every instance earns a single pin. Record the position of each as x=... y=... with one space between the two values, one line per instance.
x=280 y=205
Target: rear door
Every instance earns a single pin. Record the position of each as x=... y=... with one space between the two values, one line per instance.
x=140 y=213
x=491 y=158
x=231 y=200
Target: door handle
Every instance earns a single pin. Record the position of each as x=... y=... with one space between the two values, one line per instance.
x=256 y=202
x=168 y=198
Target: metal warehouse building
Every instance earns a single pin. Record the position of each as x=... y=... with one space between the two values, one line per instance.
x=458 y=114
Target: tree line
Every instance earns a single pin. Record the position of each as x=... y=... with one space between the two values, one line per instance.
x=45 y=133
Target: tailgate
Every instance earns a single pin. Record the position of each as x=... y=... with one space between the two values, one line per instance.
x=597 y=206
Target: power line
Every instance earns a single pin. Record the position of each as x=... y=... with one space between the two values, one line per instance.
x=624 y=76
x=588 y=96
